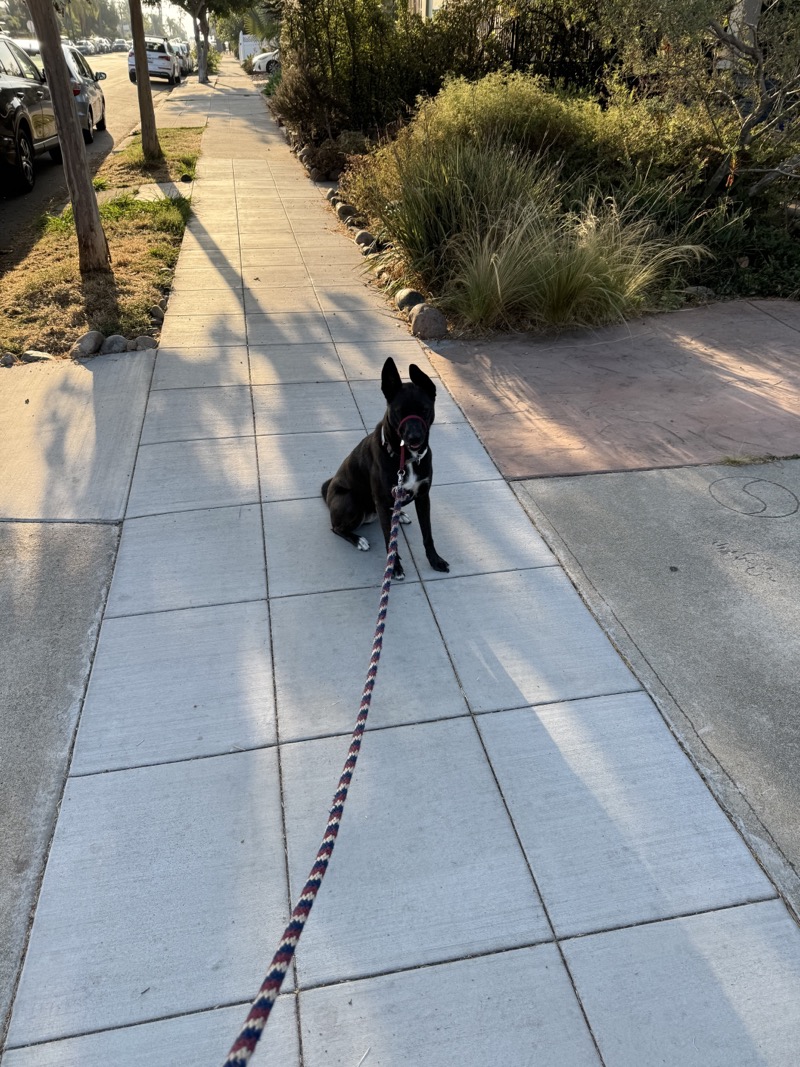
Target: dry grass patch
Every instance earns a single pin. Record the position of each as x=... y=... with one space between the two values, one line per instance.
x=181 y=147
x=44 y=301
x=46 y=304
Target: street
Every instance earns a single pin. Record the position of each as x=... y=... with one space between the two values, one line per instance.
x=50 y=192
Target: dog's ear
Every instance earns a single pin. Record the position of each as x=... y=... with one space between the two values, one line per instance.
x=422 y=381
x=391 y=383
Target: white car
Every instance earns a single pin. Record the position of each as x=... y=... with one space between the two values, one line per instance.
x=267 y=62
x=162 y=61
x=184 y=54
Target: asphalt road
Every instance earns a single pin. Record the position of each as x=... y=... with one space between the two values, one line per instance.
x=50 y=191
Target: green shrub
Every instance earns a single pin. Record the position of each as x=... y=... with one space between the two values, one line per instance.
x=367 y=62
x=213 y=61
x=512 y=107
x=482 y=227
x=629 y=204
x=273 y=81
x=247 y=65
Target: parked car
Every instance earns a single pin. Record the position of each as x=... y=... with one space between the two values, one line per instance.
x=89 y=97
x=162 y=61
x=184 y=55
x=27 y=119
x=267 y=62
x=119 y=45
x=85 y=47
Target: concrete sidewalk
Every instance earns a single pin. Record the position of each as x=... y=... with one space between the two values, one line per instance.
x=530 y=870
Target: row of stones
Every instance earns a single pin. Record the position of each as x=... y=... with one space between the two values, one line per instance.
x=93 y=343
x=427 y=322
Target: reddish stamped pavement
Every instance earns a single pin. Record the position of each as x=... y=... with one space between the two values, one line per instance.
x=700 y=385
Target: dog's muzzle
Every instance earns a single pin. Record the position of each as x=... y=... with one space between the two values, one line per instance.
x=415 y=432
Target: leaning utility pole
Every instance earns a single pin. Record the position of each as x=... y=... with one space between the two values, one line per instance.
x=93 y=251
x=150 y=143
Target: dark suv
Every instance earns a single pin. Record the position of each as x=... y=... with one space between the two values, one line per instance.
x=27 y=119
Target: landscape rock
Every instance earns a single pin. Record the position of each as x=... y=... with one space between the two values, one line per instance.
x=406 y=299
x=317 y=175
x=699 y=292
x=131 y=346
x=115 y=343
x=345 y=211
x=364 y=238
x=32 y=356
x=157 y=313
x=331 y=193
x=428 y=322
x=87 y=344
x=334 y=175
x=146 y=342
x=7 y=359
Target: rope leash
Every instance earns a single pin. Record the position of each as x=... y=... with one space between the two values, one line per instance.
x=245 y=1044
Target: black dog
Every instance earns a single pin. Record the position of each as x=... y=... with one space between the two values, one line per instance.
x=362 y=486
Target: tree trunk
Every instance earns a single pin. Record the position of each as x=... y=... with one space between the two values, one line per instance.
x=150 y=143
x=202 y=72
x=204 y=31
x=201 y=32
x=93 y=251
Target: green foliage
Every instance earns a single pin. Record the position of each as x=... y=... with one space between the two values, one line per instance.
x=361 y=64
x=539 y=268
x=739 y=61
x=213 y=61
x=754 y=253
x=482 y=224
x=162 y=216
x=273 y=81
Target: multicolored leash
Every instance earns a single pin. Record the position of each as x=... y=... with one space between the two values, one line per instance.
x=245 y=1044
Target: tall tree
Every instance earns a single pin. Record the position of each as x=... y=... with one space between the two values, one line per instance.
x=739 y=58
x=151 y=146
x=93 y=251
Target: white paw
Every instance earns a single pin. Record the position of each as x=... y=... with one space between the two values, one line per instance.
x=405 y=519
x=362 y=544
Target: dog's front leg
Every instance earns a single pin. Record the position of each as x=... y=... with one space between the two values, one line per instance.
x=385 y=516
x=423 y=503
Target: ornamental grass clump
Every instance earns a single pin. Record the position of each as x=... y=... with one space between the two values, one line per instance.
x=482 y=226
x=543 y=269
x=436 y=191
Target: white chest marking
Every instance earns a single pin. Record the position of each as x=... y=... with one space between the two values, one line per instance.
x=412 y=483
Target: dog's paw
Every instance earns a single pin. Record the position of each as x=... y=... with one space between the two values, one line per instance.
x=398 y=574
x=438 y=563
x=362 y=544
x=405 y=519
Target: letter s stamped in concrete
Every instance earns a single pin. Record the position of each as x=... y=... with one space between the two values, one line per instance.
x=758 y=497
